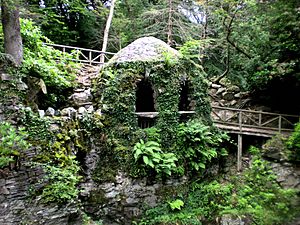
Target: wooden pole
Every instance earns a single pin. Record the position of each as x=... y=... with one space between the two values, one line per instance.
x=90 y=57
x=279 y=123
x=240 y=121
x=106 y=30
x=170 y=24
x=239 y=154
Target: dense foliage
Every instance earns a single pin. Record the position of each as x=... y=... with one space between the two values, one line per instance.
x=56 y=150
x=48 y=79
x=254 y=196
x=293 y=144
x=198 y=144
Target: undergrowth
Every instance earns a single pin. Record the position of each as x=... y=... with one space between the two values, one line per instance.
x=254 y=195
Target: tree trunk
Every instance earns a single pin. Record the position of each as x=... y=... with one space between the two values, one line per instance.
x=106 y=31
x=11 y=30
x=170 y=24
x=204 y=35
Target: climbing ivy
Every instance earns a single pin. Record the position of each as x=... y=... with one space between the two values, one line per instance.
x=115 y=93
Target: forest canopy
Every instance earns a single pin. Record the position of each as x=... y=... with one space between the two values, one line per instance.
x=249 y=41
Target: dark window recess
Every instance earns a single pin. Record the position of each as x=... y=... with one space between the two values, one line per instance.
x=184 y=103
x=144 y=97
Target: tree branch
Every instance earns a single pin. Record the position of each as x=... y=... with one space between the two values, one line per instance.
x=229 y=30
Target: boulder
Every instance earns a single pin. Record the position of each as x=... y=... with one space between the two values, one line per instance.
x=216 y=86
x=220 y=90
x=228 y=96
x=238 y=95
x=233 y=88
x=50 y=112
x=275 y=149
x=82 y=110
x=81 y=98
x=41 y=113
x=69 y=112
x=6 y=77
x=225 y=82
x=231 y=220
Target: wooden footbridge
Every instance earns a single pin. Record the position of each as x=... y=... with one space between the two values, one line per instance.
x=250 y=122
x=240 y=122
x=232 y=120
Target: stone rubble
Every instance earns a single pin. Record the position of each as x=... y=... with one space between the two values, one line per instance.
x=226 y=94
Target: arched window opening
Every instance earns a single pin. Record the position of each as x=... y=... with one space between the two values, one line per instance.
x=185 y=101
x=144 y=97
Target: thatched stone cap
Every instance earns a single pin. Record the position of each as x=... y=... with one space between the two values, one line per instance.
x=144 y=49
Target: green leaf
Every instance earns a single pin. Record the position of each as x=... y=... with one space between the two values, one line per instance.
x=177 y=204
x=146 y=159
x=202 y=165
x=137 y=153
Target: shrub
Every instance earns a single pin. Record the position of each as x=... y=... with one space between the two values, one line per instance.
x=54 y=74
x=198 y=144
x=293 y=144
x=41 y=60
x=255 y=194
x=12 y=141
x=61 y=183
x=150 y=156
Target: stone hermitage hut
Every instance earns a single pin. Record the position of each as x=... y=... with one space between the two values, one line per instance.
x=150 y=79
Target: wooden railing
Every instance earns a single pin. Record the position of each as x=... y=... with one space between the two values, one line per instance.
x=82 y=55
x=243 y=121
x=237 y=120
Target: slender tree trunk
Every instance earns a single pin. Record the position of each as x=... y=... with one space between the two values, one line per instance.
x=170 y=24
x=106 y=31
x=11 y=30
x=204 y=35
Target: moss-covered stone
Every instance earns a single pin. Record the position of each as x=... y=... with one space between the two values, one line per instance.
x=97 y=197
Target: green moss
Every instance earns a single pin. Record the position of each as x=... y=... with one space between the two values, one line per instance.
x=170 y=192
x=97 y=197
x=105 y=171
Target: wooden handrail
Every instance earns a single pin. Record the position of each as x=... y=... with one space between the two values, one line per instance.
x=87 y=58
x=252 y=111
x=78 y=48
x=242 y=119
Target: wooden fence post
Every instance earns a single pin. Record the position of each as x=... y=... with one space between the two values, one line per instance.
x=64 y=52
x=240 y=121
x=279 y=123
x=240 y=152
x=90 y=57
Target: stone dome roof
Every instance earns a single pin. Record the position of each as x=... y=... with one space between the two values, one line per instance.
x=144 y=49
